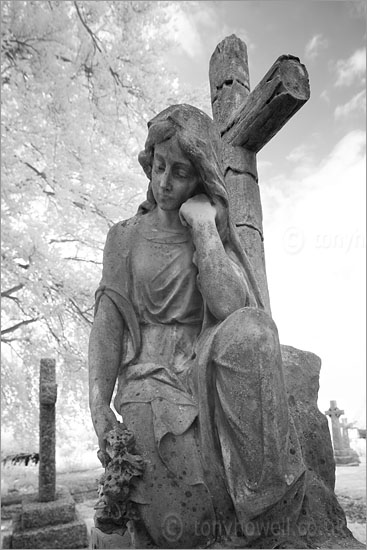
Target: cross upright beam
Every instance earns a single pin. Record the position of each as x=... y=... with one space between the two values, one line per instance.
x=334 y=412
x=247 y=121
x=47 y=437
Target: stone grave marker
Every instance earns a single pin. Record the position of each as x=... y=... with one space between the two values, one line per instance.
x=47 y=430
x=343 y=454
x=345 y=427
x=49 y=518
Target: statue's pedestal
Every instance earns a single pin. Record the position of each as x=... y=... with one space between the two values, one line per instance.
x=322 y=523
x=346 y=457
x=101 y=540
x=52 y=524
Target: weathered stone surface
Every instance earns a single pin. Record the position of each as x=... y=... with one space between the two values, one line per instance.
x=6 y=540
x=68 y=535
x=47 y=438
x=229 y=62
x=302 y=371
x=53 y=524
x=244 y=200
x=229 y=97
x=249 y=121
x=104 y=540
x=123 y=466
x=229 y=78
x=48 y=394
x=277 y=97
x=239 y=160
x=322 y=523
x=39 y=514
x=253 y=245
x=9 y=510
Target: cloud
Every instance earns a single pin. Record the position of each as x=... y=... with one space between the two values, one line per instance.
x=325 y=96
x=263 y=165
x=356 y=105
x=185 y=34
x=314 y=229
x=189 y=22
x=197 y=27
x=301 y=152
x=351 y=69
x=314 y=46
x=302 y=157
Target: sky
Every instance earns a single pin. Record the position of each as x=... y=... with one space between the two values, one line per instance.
x=311 y=174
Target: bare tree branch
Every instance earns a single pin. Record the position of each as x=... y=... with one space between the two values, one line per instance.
x=78 y=204
x=15 y=339
x=80 y=312
x=18 y=325
x=40 y=174
x=65 y=241
x=95 y=41
x=7 y=293
x=82 y=260
x=89 y=31
x=52 y=331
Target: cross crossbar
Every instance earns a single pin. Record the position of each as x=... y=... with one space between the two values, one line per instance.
x=247 y=121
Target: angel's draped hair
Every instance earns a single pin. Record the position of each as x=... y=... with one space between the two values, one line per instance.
x=200 y=142
x=199 y=139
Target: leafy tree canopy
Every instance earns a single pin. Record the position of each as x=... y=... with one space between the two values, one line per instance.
x=80 y=79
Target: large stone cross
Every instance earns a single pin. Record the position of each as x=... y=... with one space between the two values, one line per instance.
x=335 y=413
x=247 y=121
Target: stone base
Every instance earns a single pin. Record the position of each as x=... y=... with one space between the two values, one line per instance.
x=35 y=514
x=52 y=524
x=103 y=540
x=66 y=535
x=6 y=540
x=346 y=457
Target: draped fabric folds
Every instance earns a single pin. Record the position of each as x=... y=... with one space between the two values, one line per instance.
x=206 y=400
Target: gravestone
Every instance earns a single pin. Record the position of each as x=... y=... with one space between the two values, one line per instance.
x=345 y=427
x=343 y=454
x=49 y=518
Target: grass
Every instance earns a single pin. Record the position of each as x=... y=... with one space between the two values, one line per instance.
x=24 y=479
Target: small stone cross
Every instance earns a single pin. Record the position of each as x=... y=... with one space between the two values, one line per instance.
x=345 y=435
x=47 y=439
x=247 y=121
